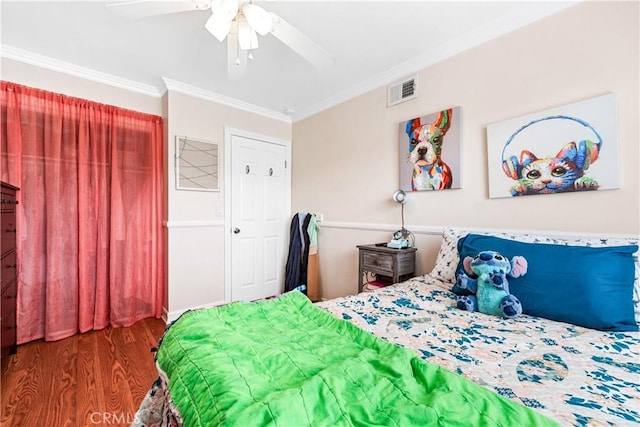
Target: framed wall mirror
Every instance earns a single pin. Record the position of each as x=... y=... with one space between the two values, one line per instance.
x=197 y=164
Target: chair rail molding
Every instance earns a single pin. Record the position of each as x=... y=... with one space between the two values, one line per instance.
x=437 y=230
x=193 y=224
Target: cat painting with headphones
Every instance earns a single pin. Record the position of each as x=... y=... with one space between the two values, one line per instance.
x=562 y=173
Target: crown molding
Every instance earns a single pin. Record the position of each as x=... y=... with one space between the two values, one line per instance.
x=197 y=92
x=52 y=64
x=430 y=57
x=10 y=52
x=435 y=54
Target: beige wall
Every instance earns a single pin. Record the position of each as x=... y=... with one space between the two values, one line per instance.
x=196 y=233
x=345 y=160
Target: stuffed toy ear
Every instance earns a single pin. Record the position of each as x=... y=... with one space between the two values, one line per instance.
x=466 y=263
x=519 y=266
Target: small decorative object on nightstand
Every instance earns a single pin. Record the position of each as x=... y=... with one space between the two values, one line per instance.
x=380 y=266
x=402 y=238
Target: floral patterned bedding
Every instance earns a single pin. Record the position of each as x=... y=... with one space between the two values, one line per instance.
x=578 y=376
x=575 y=375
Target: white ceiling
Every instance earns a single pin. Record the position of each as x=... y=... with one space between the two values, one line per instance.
x=374 y=43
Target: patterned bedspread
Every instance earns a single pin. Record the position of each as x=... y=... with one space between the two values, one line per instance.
x=578 y=376
x=575 y=375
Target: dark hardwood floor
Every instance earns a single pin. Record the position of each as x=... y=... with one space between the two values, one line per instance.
x=97 y=378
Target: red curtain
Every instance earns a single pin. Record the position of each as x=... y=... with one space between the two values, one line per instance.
x=90 y=240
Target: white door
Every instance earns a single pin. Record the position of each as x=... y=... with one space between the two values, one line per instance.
x=260 y=217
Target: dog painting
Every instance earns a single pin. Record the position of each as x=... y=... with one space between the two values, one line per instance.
x=426 y=141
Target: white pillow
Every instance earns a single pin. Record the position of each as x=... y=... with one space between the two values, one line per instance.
x=448 y=257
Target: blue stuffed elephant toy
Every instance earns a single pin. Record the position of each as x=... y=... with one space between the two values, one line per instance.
x=490 y=290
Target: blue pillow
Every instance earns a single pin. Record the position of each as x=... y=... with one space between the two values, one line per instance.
x=585 y=286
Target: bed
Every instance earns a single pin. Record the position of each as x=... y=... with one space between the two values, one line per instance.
x=564 y=373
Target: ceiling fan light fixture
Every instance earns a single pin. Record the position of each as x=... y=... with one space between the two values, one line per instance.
x=227 y=9
x=218 y=25
x=258 y=18
x=247 y=37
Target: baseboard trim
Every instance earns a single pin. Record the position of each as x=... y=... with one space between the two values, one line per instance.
x=173 y=315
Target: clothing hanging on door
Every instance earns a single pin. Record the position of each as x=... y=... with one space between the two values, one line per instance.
x=313 y=288
x=302 y=246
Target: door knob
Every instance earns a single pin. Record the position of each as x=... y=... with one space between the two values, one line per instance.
x=236 y=230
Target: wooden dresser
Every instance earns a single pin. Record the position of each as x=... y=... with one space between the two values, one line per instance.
x=9 y=271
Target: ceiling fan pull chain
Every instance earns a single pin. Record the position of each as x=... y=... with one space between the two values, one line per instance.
x=237 y=42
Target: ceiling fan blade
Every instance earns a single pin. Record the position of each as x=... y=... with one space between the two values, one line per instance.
x=218 y=25
x=236 y=58
x=300 y=43
x=136 y=9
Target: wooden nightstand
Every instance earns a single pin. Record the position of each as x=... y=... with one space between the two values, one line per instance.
x=394 y=264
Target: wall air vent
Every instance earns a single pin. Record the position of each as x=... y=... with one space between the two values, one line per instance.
x=402 y=91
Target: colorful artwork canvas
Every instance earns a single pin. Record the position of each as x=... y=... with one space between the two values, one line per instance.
x=430 y=151
x=572 y=148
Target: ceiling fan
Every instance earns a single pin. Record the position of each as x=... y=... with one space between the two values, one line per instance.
x=240 y=22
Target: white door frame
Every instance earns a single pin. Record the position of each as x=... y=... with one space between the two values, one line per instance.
x=228 y=133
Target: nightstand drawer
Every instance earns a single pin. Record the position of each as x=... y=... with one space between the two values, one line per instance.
x=378 y=261
x=380 y=266
x=406 y=263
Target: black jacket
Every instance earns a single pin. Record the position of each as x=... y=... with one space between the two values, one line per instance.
x=296 y=271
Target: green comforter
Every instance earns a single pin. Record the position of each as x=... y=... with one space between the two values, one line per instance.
x=285 y=362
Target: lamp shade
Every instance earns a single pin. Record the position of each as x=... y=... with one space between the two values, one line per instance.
x=400 y=196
